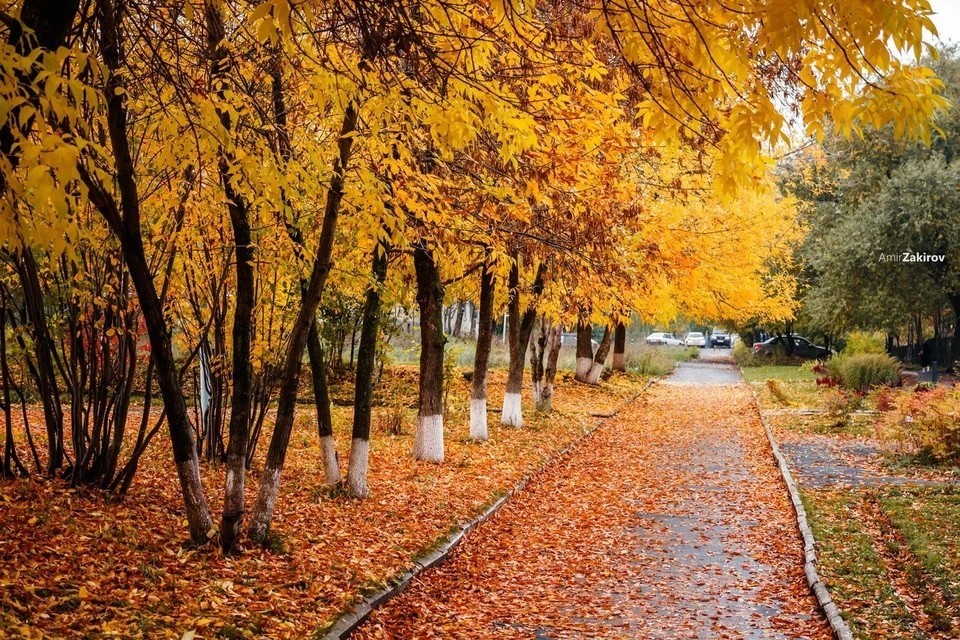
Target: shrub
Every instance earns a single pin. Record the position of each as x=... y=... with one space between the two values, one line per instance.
x=651 y=362
x=926 y=421
x=778 y=393
x=838 y=405
x=864 y=342
x=743 y=354
x=864 y=371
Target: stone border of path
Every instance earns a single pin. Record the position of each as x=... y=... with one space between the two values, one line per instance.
x=347 y=623
x=829 y=607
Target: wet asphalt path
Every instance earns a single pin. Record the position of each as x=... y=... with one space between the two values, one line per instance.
x=715 y=366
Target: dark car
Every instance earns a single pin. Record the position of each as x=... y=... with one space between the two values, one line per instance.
x=720 y=339
x=802 y=348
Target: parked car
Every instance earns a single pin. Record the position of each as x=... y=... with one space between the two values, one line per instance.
x=802 y=348
x=664 y=338
x=720 y=339
x=695 y=339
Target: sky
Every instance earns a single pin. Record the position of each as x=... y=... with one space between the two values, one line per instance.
x=947 y=19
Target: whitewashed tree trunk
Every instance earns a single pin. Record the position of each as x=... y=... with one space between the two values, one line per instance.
x=596 y=366
x=359 y=462
x=519 y=329
x=481 y=361
x=478 y=419
x=620 y=348
x=512 y=415
x=428 y=440
x=584 y=351
x=331 y=462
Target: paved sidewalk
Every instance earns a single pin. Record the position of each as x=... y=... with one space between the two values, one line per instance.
x=671 y=522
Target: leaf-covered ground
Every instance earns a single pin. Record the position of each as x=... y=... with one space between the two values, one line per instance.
x=75 y=566
x=885 y=523
x=891 y=558
x=670 y=522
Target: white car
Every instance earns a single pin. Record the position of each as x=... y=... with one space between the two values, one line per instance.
x=664 y=338
x=695 y=339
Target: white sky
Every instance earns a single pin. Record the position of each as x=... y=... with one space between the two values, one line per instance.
x=947 y=19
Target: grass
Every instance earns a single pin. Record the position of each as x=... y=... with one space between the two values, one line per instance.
x=891 y=558
x=788 y=373
x=641 y=358
x=852 y=567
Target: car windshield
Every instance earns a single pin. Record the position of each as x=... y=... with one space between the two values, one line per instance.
x=696 y=335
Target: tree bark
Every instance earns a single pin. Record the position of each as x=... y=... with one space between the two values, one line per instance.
x=458 y=319
x=543 y=364
x=602 y=350
x=11 y=461
x=519 y=328
x=538 y=353
x=428 y=440
x=584 y=351
x=363 y=390
x=124 y=220
x=554 y=342
x=321 y=402
x=49 y=21
x=239 y=429
x=620 y=348
x=290 y=371
x=47 y=386
x=481 y=360
x=318 y=367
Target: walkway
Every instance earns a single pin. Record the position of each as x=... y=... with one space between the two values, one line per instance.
x=671 y=522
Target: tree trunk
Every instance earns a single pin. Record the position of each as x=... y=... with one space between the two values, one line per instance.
x=318 y=367
x=50 y=22
x=47 y=386
x=428 y=440
x=239 y=429
x=519 y=328
x=11 y=461
x=124 y=220
x=512 y=414
x=547 y=348
x=473 y=320
x=321 y=401
x=554 y=342
x=481 y=361
x=290 y=371
x=584 y=351
x=620 y=348
x=538 y=349
x=458 y=319
x=363 y=391
x=602 y=350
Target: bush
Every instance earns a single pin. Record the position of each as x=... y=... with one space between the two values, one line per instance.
x=864 y=342
x=926 y=421
x=838 y=406
x=651 y=362
x=744 y=355
x=864 y=371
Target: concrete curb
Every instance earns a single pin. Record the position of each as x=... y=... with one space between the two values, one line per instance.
x=347 y=623
x=829 y=607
